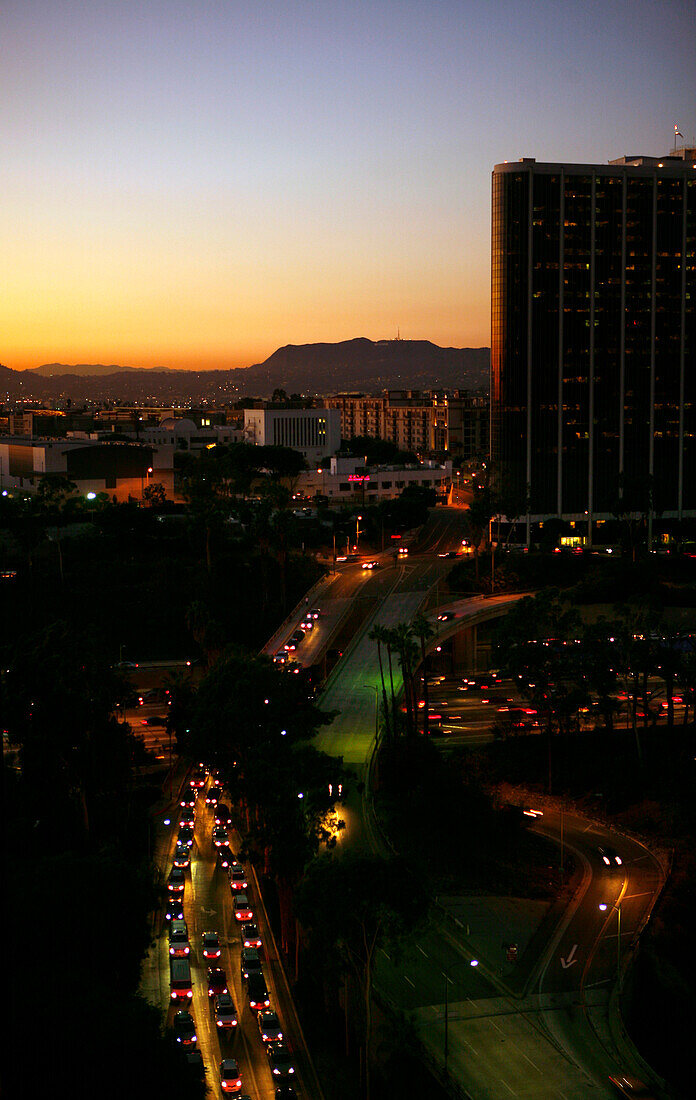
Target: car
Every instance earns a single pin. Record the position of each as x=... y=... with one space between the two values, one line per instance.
x=197 y=779
x=250 y=963
x=241 y=908
x=179 y=946
x=176 y=881
x=211 y=945
x=257 y=993
x=184 y=1028
x=307 y=624
x=153 y=720
x=280 y=1060
x=187 y=816
x=370 y=564
x=182 y=856
x=285 y=1092
x=125 y=666
x=610 y=857
x=217 y=981
x=446 y=616
x=269 y=1026
x=175 y=908
x=222 y=814
x=290 y=646
x=220 y=837
x=280 y=657
x=633 y=1087
x=186 y=835
x=403 y=551
x=238 y=878
x=224 y=1011
x=188 y=798
x=195 y=1058
x=225 y=856
x=314 y=613
x=250 y=936
x=447 y=554
x=212 y=795
x=230 y=1077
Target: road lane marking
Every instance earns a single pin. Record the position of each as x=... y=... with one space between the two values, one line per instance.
x=512 y=1093
x=570 y=960
x=423 y=953
x=385 y=954
x=407 y=979
x=535 y=1066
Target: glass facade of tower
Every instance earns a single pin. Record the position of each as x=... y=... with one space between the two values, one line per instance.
x=593 y=350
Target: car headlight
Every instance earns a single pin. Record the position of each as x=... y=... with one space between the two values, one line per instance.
x=276 y=1070
x=220 y=1023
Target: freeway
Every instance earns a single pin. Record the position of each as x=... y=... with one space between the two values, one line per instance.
x=208 y=907
x=550 y=1039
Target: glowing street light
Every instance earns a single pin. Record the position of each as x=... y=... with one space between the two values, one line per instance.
x=604 y=907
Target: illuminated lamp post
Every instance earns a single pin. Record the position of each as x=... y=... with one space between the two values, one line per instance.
x=473 y=963
x=91 y=497
x=603 y=906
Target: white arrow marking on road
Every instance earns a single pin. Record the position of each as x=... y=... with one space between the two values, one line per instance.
x=565 y=963
x=208 y=912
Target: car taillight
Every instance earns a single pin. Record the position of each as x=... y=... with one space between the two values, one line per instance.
x=189 y=993
x=173 y=995
x=220 y=1023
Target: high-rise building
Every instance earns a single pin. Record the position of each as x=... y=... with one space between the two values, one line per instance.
x=593 y=344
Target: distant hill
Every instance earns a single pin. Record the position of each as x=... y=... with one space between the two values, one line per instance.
x=358 y=364
x=52 y=370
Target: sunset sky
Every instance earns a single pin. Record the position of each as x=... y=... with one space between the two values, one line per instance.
x=193 y=183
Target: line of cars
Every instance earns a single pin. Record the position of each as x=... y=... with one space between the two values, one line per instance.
x=297 y=636
x=251 y=969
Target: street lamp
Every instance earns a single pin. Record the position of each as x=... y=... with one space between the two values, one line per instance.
x=603 y=906
x=357 y=531
x=375 y=688
x=473 y=963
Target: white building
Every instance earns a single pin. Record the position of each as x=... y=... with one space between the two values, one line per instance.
x=350 y=480
x=123 y=470
x=315 y=433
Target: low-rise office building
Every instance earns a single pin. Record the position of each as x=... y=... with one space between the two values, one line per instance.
x=350 y=480
x=123 y=470
x=315 y=433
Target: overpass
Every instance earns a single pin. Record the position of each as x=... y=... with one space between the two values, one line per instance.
x=462 y=630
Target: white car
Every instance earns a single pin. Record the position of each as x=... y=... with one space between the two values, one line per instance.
x=370 y=564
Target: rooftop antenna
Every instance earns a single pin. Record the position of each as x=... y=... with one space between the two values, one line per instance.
x=676 y=135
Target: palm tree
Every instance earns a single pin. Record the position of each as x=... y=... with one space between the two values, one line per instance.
x=407 y=652
x=379 y=634
x=390 y=642
x=424 y=631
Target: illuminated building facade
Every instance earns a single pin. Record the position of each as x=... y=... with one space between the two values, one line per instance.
x=593 y=344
